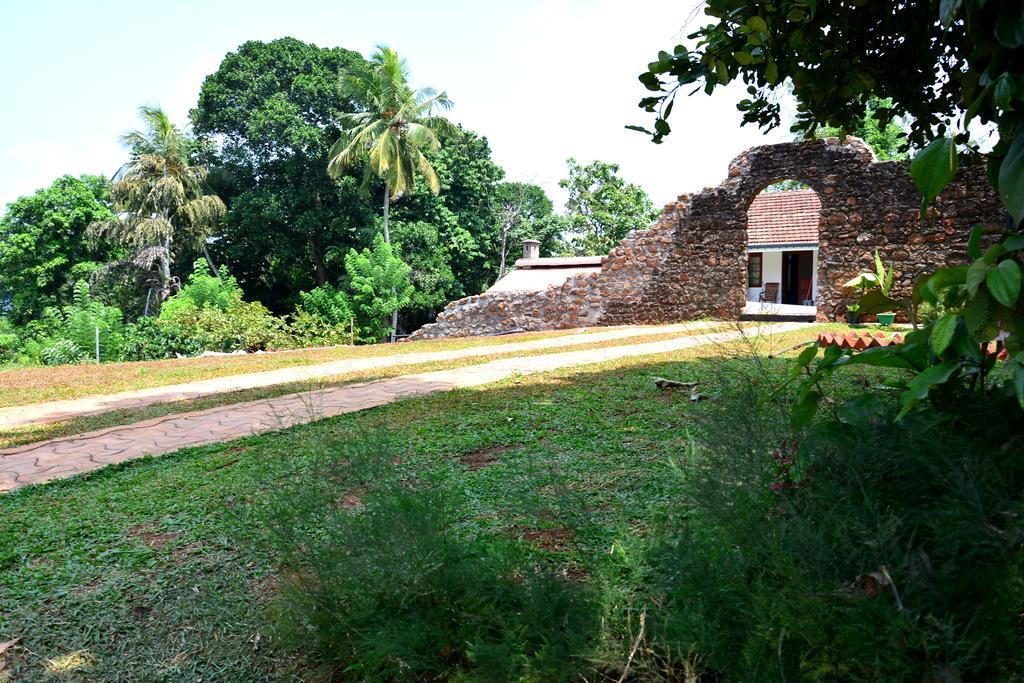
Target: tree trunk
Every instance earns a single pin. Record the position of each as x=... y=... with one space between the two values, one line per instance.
x=387 y=239
x=387 y=204
x=316 y=252
x=165 y=269
x=209 y=262
x=504 y=241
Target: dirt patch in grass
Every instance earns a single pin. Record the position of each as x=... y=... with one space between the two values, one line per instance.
x=478 y=460
x=351 y=500
x=550 y=539
x=156 y=540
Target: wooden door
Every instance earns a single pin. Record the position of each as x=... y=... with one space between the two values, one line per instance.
x=797 y=277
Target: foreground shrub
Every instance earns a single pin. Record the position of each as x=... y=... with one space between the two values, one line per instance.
x=870 y=550
x=329 y=304
x=377 y=582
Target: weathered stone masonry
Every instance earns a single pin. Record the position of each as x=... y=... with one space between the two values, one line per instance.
x=692 y=262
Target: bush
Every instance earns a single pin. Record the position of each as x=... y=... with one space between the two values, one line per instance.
x=207 y=314
x=63 y=352
x=867 y=550
x=75 y=326
x=376 y=582
x=306 y=329
x=204 y=290
x=248 y=326
x=329 y=304
x=10 y=343
x=152 y=339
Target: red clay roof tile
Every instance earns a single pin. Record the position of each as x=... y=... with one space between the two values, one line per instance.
x=789 y=217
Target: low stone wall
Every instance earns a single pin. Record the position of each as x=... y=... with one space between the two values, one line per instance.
x=692 y=262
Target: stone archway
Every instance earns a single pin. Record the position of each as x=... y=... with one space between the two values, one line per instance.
x=691 y=262
x=865 y=205
x=783 y=225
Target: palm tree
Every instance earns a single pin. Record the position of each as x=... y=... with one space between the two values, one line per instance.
x=392 y=133
x=161 y=198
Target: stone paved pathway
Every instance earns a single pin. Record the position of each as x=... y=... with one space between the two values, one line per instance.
x=68 y=456
x=55 y=411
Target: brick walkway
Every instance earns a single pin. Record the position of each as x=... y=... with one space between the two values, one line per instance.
x=55 y=411
x=58 y=458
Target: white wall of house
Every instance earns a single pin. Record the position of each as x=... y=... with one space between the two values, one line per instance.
x=771 y=270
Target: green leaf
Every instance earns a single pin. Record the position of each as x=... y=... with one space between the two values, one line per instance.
x=943 y=330
x=640 y=129
x=1018 y=384
x=758 y=24
x=650 y=81
x=1003 y=94
x=807 y=355
x=859 y=410
x=993 y=254
x=804 y=409
x=771 y=73
x=831 y=355
x=918 y=388
x=976 y=275
x=743 y=58
x=933 y=168
x=876 y=302
x=1010 y=24
x=948 y=10
x=722 y=72
x=1004 y=283
x=974 y=243
x=796 y=15
x=1011 y=179
x=978 y=312
x=1014 y=243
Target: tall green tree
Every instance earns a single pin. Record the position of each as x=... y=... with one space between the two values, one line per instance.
x=274 y=107
x=43 y=244
x=462 y=215
x=394 y=129
x=161 y=198
x=602 y=208
x=888 y=141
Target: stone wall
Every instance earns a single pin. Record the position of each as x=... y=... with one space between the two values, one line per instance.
x=692 y=262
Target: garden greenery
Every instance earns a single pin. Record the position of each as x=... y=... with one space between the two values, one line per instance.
x=967 y=55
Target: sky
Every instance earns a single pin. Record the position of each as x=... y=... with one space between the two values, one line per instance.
x=542 y=80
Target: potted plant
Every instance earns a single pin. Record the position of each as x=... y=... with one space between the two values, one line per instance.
x=874 y=294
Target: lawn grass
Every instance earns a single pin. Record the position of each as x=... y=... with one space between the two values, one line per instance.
x=21 y=386
x=33 y=433
x=144 y=571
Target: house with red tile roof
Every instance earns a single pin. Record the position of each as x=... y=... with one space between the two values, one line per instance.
x=532 y=273
x=782 y=248
x=782 y=257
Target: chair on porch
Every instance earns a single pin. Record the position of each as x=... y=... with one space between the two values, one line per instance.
x=769 y=293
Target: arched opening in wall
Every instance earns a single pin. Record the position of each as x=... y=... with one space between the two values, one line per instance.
x=782 y=252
